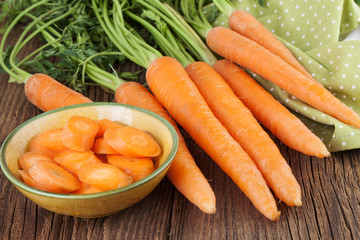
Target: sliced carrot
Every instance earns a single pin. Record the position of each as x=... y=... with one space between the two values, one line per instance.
x=31 y=182
x=29 y=158
x=172 y=86
x=52 y=139
x=138 y=168
x=75 y=161
x=105 y=124
x=49 y=142
x=79 y=133
x=105 y=176
x=54 y=177
x=132 y=142
x=102 y=147
x=86 y=188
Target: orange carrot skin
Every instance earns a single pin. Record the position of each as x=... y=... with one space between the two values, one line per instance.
x=132 y=142
x=79 y=133
x=247 y=25
x=242 y=125
x=29 y=158
x=102 y=147
x=183 y=173
x=137 y=168
x=172 y=86
x=105 y=124
x=251 y=55
x=47 y=94
x=86 y=188
x=31 y=182
x=267 y=110
x=53 y=177
x=75 y=161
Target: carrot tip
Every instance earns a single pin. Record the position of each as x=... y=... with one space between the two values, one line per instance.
x=276 y=216
x=297 y=203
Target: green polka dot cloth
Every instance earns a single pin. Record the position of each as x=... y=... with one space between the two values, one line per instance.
x=314 y=31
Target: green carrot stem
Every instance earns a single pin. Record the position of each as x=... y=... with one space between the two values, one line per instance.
x=22 y=75
x=225 y=7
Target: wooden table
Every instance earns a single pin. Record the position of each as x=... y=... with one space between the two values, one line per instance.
x=330 y=190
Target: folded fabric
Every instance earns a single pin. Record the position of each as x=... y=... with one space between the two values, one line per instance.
x=313 y=30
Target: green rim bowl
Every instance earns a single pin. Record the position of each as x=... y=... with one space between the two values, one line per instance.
x=96 y=204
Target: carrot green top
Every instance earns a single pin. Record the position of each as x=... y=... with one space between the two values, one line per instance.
x=311 y=30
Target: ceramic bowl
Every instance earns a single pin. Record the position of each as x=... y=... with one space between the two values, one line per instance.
x=96 y=204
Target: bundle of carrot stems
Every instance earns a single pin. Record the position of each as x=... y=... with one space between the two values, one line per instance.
x=215 y=101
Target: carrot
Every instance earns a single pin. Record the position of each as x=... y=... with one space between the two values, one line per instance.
x=244 y=128
x=30 y=181
x=247 y=25
x=86 y=188
x=29 y=158
x=183 y=173
x=47 y=94
x=53 y=177
x=137 y=168
x=132 y=142
x=75 y=161
x=79 y=133
x=49 y=142
x=273 y=115
x=102 y=147
x=172 y=86
x=105 y=124
x=105 y=176
x=251 y=55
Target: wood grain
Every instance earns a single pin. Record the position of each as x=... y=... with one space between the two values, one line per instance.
x=330 y=188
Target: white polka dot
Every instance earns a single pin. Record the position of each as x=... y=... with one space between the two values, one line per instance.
x=287 y=34
x=313 y=74
x=331 y=61
x=353 y=86
x=311 y=29
x=320 y=21
x=297 y=6
x=275 y=11
x=271 y=89
x=343 y=143
x=305 y=108
x=358 y=65
x=333 y=21
x=269 y=21
x=352 y=46
x=343 y=76
x=349 y=55
x=254 y=5
x=303 y=36
x=341 y=87
x=287 y=100
x=356 y=76
x=318 y=55
x=292 y=42
x=354 y=98
x=313 y=117
x=286 y=10
x=347 y=25
x=292 y=19
x=307 y=44
x=344 y=96
x=303 y=15
x=323 y=6
x=281 y=3
x=338 y=8
x=310 y=61
x=316 y=36
x=341 y=126
x=315 y=14
x=328 y=14
x=299 y=58
x=323 y=115
x=298 y=28
x=282 y=24
x=338 y=57
x=310 y=7
x=261 y=12
x=346 y=65
x=329 y=36
x=352 y=134
x=340 y=46
x=324 y=28
x=307 y=22
x=320 y=43
x=273 y=30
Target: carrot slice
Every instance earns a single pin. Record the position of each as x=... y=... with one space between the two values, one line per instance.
x=132 y=142
x=75 y=161
x=53 y=177
x=79 y=133
x=102 y=147
x=105 y=176
x=29 y=158
x=86 y=188
x=138 y=168
x=49 y=142
x=105 y=124
x=30 y=181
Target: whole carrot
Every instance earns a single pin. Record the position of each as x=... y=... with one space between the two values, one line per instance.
x=267 y=110
x=172 y=86
x=242 y=125
x=251 y=55
x=47 y=94
x=184 y=174
x=247 y=25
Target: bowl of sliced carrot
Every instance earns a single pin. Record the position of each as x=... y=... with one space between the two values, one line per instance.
x=89 y=160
